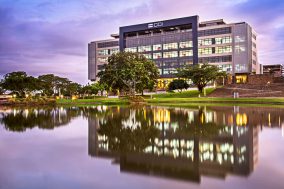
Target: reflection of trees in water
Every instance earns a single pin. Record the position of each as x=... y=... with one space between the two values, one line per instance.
x=133 y=129
x=198 y=127
x=128 y=130
x=48 y=118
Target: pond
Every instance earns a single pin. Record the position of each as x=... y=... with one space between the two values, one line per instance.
x=142 y=147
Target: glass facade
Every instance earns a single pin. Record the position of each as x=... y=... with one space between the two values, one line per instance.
x=169 y=46
x=145 y=48
x=185 y=53
x=157 y=47
x=157 y=55
x=131 y=49
x=224 y=49
x=106 y=52
x=171 y=54
x=185 y=44
x=216 y=31
x=215 y=59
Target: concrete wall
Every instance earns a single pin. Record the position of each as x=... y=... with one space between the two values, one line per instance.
x=260 y=79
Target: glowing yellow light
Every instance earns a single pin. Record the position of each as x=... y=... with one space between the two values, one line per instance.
x=162 y=115
x=241 y=119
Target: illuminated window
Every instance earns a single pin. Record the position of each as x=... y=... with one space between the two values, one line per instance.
x=168 y=46
x=131 y=49
x=112 y=51
x=148 y=56
x=204 y=51
x=203 y=42
x=223 y=40
x=171 y=54
x=103 y=52
x=144 y=48
x=241 y=78
x=157 y=55
x=185 y=44
x=221 y=50
x=157 y=47
x=103 y=59
x=185 y=53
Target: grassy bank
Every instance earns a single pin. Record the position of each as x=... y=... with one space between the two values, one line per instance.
x=105 y=101
x=185 y=98
x=171 y=101
x=231 y=101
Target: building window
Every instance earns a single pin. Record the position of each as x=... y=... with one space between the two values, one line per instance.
x=202 y=42
x=157 y=47
x=112 y=51
x=169 y=46
x=103 y=52
x=103 y=59
x=225 y=67
x=144 y=48
x=241 y=78
x=148 y=56
x=184 y=63
x=223 y=40
x=157 y=55
x=185 y=53
x=204 y=51
x=131 y=49
x=170 y=64
x=171 y=54
x=169 y=71
x=185 y=44
x=215 y=59
x=217 y=31
x=221 y=50
x=108 y=44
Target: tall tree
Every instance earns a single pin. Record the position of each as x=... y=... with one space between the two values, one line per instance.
x=55 y=85
x=20 y=83
x=178 y=84
x=130 y=72
x=201 y=75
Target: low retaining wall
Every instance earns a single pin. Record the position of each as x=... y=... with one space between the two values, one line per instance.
x=264 y=79
x=260 y=79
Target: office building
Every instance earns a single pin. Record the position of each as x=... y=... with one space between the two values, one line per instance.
x=181 y=42
x=275 y=69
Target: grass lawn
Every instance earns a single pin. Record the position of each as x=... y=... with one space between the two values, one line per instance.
x=185 y=98
x=106 y=101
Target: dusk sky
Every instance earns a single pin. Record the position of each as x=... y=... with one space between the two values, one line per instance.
x=41 y=37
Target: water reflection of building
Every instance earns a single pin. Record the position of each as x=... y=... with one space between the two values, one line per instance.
x=175 y=153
